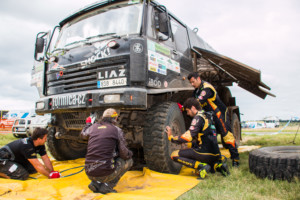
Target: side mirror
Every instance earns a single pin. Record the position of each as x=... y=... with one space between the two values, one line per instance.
x=162 y=23
x=39 y=45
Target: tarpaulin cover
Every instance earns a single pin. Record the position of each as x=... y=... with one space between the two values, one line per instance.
x=146 y=184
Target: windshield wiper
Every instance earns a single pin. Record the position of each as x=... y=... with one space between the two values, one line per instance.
x=79 y=41
x=60 y=49
x=102 y=35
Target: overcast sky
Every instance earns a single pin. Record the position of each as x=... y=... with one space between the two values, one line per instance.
x=263 y=34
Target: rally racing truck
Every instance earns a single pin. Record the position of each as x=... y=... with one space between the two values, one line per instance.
x=133 y=56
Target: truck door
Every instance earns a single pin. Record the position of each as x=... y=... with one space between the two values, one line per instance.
x=182 y=46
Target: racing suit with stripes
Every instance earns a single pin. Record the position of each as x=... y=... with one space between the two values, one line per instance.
x=210 y=101
x=203 y=142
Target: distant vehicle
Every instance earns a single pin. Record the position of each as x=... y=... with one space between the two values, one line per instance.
x=38 y=121
x=271 y=122
x=25 y=127
x=255 y=124
x=8 y=119
x=20 y=127
x=2 y=118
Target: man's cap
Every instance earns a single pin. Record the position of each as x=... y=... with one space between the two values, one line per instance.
x=110 y=112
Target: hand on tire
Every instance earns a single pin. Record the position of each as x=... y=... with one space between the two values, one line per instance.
x=168 y=131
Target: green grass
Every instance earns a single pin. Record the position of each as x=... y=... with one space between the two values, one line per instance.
x=6 y=138
x=241 y=184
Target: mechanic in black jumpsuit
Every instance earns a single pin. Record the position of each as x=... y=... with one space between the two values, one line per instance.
x=107 y=158
x=210 y=101
x=205 y=151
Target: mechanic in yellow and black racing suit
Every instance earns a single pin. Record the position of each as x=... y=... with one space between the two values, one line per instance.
x=210 y=101
x=204 y=152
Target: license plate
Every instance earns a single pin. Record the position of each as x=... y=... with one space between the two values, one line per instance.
x=112 y=82
x=20 y=129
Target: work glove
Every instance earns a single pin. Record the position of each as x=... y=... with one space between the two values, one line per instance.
x=181 y=108
x=88 y=120
x=54 y=174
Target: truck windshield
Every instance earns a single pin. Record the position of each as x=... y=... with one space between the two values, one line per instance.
x=99 y=24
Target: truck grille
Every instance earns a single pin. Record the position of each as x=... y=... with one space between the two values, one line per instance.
x=74 y=120
x=75 y=78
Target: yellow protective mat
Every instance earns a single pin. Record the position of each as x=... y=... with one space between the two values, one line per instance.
x=146 y=184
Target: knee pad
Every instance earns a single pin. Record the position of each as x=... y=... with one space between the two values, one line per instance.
x=15 y=171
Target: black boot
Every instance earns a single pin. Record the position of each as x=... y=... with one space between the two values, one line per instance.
x=203 y=170
x=222 y=168
x=94 y=186
x=235 y=163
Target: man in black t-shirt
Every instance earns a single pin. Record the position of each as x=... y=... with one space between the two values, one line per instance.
x=18 y=159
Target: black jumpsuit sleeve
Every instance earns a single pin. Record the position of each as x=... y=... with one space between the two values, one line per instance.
x=191 y=133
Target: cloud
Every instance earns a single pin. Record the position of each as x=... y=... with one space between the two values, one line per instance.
x=261 y=34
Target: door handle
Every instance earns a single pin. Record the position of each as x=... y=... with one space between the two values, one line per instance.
x=175 y=52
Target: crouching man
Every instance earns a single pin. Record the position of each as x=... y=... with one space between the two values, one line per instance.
x=204 y=155
x=18 y=159
x=107 y=157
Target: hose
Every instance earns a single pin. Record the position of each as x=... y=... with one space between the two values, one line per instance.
x=68 y=170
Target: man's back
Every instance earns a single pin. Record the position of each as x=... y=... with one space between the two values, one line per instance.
x=103 y=139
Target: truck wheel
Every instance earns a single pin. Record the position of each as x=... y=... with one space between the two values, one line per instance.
x=225 y=95
x=236 y=128
x=157 y=148
x=62 y=149
x=279 y=162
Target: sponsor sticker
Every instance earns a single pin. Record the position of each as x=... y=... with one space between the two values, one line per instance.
x=203 y=93
x=194 y=122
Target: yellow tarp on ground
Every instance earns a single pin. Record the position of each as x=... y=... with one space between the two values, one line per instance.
x=146 y=184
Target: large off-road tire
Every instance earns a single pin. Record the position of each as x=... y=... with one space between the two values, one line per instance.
x=62 y=149
x=225 y=95
x=236 y=128
x=157 y=148
x=279 y=162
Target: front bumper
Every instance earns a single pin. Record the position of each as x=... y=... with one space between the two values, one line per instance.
x=129 y=98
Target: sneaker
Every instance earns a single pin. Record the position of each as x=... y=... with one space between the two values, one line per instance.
x=222 y=168
x=203 y=171
x=235 y=163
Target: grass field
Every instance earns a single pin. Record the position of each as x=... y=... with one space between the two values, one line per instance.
x=241 y=184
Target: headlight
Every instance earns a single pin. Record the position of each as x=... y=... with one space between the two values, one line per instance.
x=40 y=105
x=113 y=98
